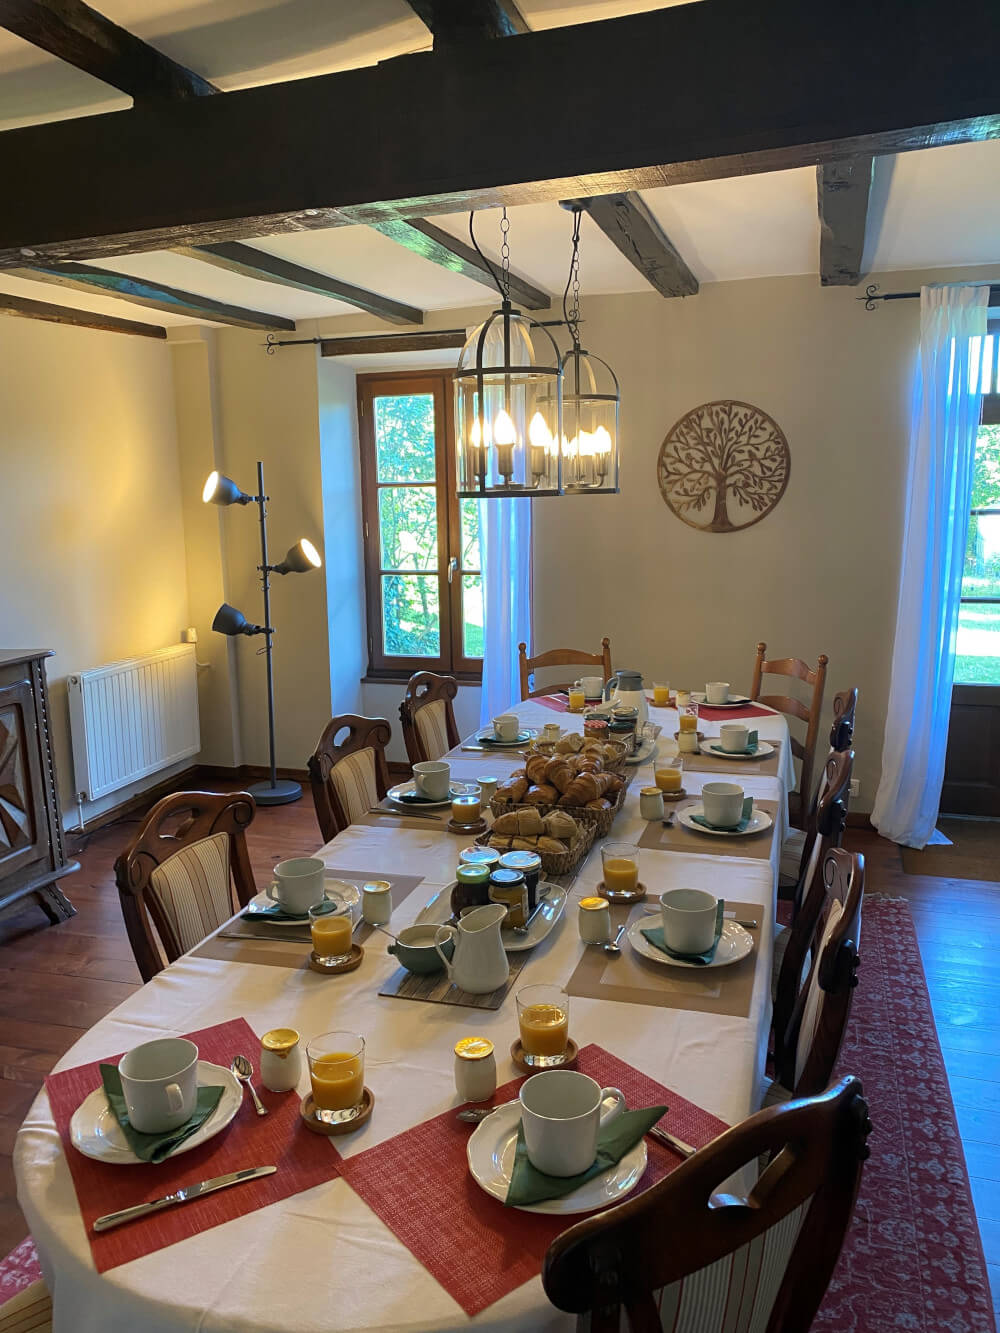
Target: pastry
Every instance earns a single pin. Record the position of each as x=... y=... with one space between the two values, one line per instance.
x=559 y=773
x=551 y=845
x=542 y=795
x=571 y=744
x=535 y=768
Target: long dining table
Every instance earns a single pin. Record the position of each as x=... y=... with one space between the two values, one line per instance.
x=321 y=1259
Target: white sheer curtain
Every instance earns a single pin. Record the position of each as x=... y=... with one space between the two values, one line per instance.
x=505 y=551
x=946 y=407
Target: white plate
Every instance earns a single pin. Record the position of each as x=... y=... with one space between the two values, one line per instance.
x=402 y=788
x=491 y=742
x=734 y=943
x=491 y=1160
x=95 y=1131
x=438 y=909
x=762 y=751
x=734 y=700
x=258 y=906
x=759 y=821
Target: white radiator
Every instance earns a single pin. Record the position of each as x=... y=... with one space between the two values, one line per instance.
x=129 y=719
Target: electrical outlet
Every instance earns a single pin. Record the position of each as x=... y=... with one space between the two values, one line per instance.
x=855 y=786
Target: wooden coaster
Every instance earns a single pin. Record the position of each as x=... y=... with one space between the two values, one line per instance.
x=307 y=1110
x=564 y=1061
x=699 y=734
x=675 y=795
x=479 y=826
x=334 y=969
x=635 y=895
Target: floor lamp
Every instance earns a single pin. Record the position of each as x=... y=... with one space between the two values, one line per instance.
x=300 y=559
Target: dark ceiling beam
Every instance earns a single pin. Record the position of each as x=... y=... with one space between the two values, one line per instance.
x=155 y=296
x=627 y=222
x=82 y=37
x=455 y=22
x=440 y=247
x=249 y=262
x=425 y=134
x=392 y=342
x=843 y=191
x=64 y=314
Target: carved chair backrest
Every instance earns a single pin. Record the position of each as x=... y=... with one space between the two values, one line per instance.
x=348 y=772
x=428 y=716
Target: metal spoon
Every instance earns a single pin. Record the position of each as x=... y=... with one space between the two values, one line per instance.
x=614 y=948
x=243 y=1070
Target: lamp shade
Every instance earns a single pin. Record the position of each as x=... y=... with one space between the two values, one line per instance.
x=220 y=490
x=590 y=424
x=230 y=621
x=299 y=559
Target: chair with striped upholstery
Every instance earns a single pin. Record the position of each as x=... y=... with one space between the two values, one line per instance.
x=28 y=1310
x=793 y=849
x=684 y=1258
x=348 y=772
x=428 y=716
x=185 y=872
x=805 y=751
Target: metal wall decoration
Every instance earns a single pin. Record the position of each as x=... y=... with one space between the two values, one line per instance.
x=723 y=466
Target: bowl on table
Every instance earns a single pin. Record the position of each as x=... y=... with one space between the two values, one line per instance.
x=414 y=949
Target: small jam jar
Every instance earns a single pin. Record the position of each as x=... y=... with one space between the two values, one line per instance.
x=530 y=866
x=594 y=920
x=595 y=727
x=472 y=888
x=508 y=887
x=475 y=1069
x=280 y=1059
x=479 y=856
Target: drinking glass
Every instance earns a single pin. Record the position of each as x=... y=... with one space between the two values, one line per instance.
x=337 y=1073
x=668 y=774
x=620 y=864
x=577 y=698
x=687 y=727
x=467 y=809
x=661 y=694
x=331 y=925
x=543 y=1018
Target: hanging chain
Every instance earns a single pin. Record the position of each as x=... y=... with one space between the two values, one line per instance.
x=505 y=254
x=571 y=313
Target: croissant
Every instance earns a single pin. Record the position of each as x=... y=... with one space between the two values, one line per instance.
x=515 y=788
x=599 y=804
x=586 y=787
x=615 y=785
x=535 y=768
x=558 y=824
x=591 y=765
x=559 y=773
x=542 y=795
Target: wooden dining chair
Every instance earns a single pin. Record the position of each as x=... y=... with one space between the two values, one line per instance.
x=185 y=872
x=844 y=707
x=793 y=849
x=810 y=1016
x=684 y=1257
x=348 y=772
x=798 y=804
x=28 y=1310
x=557 y=657
x=428 y=716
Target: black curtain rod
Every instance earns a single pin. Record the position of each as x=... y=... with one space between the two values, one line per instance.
x=872 y=294
x=274 y=343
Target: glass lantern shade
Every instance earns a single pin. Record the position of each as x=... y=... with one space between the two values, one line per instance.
x=590 y=425
x=508 y=419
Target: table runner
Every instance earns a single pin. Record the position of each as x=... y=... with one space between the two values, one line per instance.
x=769 y=766
x=677 y=838
x=733 y=714
x=279 y=1139
x=559 y=703
x=478 y=1249
x=632 y=979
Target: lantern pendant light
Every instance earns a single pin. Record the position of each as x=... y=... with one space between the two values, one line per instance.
x=590 y=398
x=508 y=403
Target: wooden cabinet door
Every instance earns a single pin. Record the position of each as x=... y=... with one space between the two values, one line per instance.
x=972 y=767
x=23 y=835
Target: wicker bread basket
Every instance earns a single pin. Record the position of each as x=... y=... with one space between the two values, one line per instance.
x=603 y=819
x=560 y=863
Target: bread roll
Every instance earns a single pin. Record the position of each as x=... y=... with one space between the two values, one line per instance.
x=570 y=744
x=551 y=845
x=529 y=823
x=558 y=824
x=499 y=843
x=506 y=823
x=524 y=844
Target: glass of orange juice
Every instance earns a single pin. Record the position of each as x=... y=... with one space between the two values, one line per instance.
x=543 y=1017
x=331 y=925
x=661 y=694
x=620 y=863
x=577 y=696
x=668 y=773
x=337 y=1073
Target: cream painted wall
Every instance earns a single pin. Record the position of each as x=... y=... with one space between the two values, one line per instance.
x=92 y=539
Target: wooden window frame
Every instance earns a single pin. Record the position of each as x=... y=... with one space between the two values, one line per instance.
x=451 y=660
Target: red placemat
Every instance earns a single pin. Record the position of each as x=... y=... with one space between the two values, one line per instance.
x=478 y=1249
x=557 y=702
x=279 y=1139
x=732 y=714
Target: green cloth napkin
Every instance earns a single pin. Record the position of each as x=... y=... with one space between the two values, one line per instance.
x=155 y=1147
x=275 y=913
x=655 y=936
x=529 y=1185
x=724 y=828
x=749 y=748
x=415 y=798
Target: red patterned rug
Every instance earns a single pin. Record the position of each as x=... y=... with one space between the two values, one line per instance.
x=913 y=1260
x=19 y=1270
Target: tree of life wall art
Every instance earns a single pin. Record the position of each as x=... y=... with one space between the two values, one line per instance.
x=723 y=466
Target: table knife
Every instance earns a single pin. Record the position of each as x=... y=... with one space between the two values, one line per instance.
x=185 y=1195
x=678 y=1145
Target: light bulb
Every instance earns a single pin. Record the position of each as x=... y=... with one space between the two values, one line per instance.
x=209 y=488
x=310 y=552
x=602 y=440
x=504 y=430
x=586 y=444
x=538 y=432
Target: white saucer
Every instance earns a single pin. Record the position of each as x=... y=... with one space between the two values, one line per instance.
x=734 y=943
x=734 y=700
x=404 y=788
x=490 y=1152
x=95 y=1131
x=759 y=821
x=349 y=892
x=762 y=751
x=493 y=742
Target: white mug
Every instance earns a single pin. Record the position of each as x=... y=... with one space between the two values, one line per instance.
x=506 y=727
x=562 y=1113
x=298 y=884
x=433 y=779
x=593 y=687
x=722 y=803
x=487 y=788
x=733 y=736
x=688 y=919
x=717 y=692
x=160 y=1084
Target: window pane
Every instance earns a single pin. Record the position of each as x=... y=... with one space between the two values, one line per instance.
x=977 y=656
x=472 y=614
x=981 y=575
x=404 y=437
x=411 y=620
x=471 y=559
x=986 y=476
x=407 y=523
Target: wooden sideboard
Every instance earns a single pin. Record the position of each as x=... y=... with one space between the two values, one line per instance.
x=32 y=857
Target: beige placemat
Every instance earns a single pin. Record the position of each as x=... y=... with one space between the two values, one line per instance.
x=437 y=989
x=677 y=838
x=770 y=767
x=270 y=953
x=633 y=979
x=392 y=820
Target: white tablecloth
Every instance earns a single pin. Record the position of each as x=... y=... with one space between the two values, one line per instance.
x=321 y=1260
